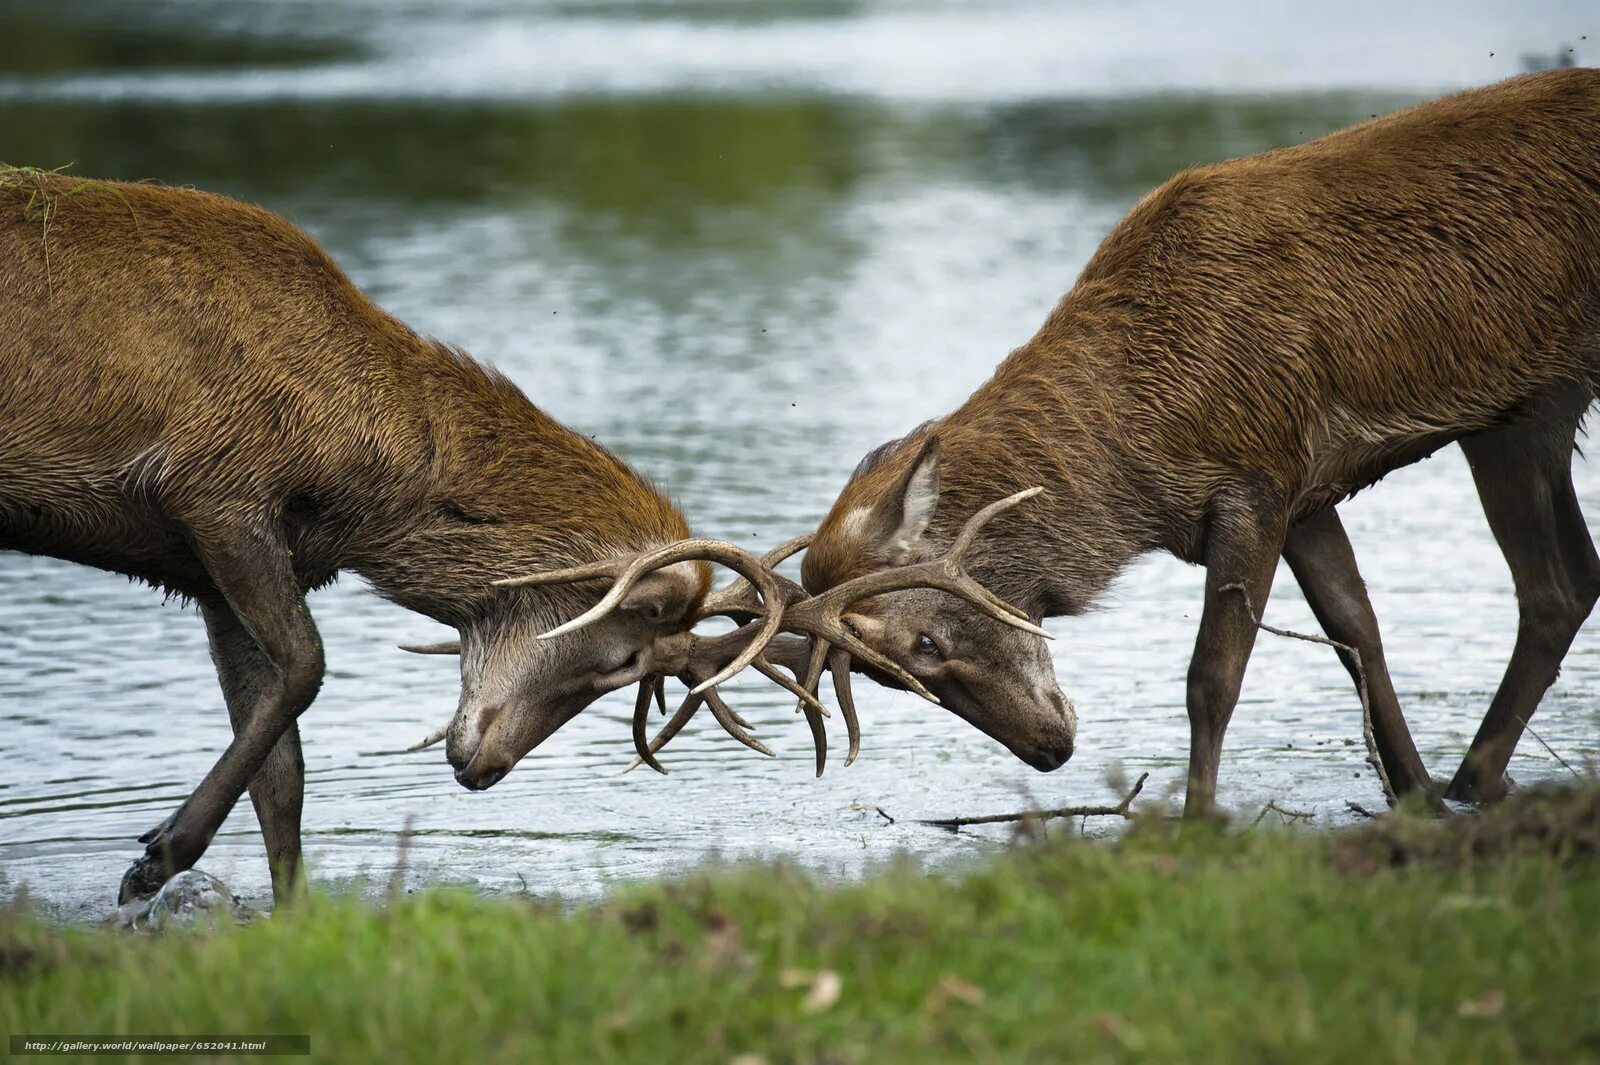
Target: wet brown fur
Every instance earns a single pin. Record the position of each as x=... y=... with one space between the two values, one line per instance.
x=1282 y=329
x=190 y=360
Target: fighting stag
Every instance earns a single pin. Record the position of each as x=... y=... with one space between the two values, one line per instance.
x=1254 y=343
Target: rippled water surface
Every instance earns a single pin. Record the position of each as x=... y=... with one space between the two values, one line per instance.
x=740 y=243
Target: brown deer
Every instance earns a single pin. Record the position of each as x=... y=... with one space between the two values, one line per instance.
x=193 y=394
x=1255 y=342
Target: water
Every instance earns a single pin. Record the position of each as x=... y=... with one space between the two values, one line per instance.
x=741 y=244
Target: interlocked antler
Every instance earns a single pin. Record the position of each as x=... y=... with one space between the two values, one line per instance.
x=627 y=571
x=787 y=652
x=742 y=601
x=831 y=643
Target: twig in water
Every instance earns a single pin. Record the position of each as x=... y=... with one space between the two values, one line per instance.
x=1357 y=808
x=875 y=809
x=397 y=879
x=1361 y=685
x=1551 y=749
x=1287 y=815
x=1119 y=810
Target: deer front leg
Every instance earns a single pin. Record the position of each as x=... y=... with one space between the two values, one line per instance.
x=251 y=571
x=278 y=788
x=1243 y=541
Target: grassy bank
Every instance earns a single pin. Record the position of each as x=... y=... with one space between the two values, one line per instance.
x=1395 y=944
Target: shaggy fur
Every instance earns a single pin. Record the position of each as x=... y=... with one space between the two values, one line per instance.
x=174 y=358
x=1315 y=317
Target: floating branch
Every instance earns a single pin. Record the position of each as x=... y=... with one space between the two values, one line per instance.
x=1121 y=809
x=1288 y=816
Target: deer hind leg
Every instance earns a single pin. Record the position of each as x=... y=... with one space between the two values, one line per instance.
x=1524 y=478
x=1243 y=539
x=250 y=568
x=1318 y=551
x=278 y=787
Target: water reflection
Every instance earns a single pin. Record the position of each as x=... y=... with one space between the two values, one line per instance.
x=741 y=290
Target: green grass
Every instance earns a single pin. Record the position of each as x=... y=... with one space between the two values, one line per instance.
x=1261 y=947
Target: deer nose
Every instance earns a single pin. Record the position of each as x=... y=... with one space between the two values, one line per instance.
x=474 y=777
x=1049 y=759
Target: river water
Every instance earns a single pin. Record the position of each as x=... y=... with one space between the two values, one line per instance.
x=741 y=243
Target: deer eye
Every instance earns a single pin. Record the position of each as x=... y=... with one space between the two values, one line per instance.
x=927 y=646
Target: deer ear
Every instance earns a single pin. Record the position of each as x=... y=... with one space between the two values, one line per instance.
x=448 y=647
x=904 y=516
x=661 y=598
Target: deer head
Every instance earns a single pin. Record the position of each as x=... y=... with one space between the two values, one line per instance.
x=994 y=673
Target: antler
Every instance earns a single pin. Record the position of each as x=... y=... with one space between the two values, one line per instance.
x=626 y=572
x=738 y=599
x=784 y=651
x=831 y=642
x=822 y=616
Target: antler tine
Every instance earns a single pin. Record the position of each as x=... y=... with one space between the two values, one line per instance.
x=826 y=627
x=737 y=596
x=808 y=685
x=621 y=585
x=787 y=549
x=839 y=668
x=432 y=738
x=730 y=722
x=944 y=573
x=819 y=736
x=808 y=699
x=969 y=531
x=641 y=714
x=776 y=603
x=686 y=710
x=589 y=571
x=817 y=654
x=739 y=599
x=628 y=572
x=940 y=573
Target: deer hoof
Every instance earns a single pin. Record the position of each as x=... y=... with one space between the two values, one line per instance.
x=142 y=880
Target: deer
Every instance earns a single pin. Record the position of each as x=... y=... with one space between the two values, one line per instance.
x=193 y=394
x=1253 y=343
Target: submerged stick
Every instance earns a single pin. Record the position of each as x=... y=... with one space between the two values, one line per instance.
x=1523 y=722
x=1119 y=810
x=1288 y=816
x=1367 y=732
